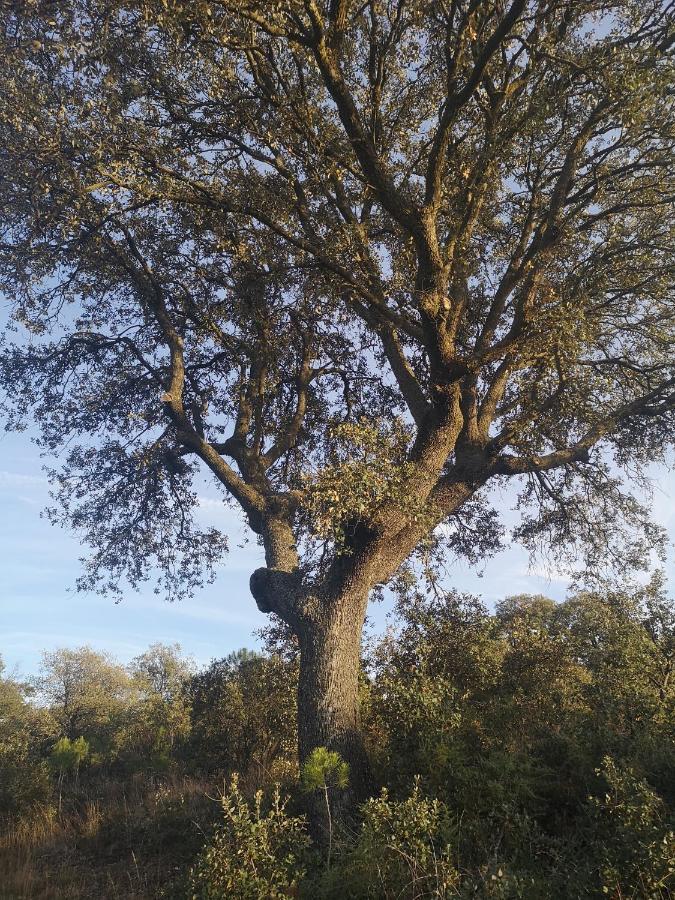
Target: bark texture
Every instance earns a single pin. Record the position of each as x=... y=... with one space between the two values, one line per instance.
x=328 y=690
x=329 y=630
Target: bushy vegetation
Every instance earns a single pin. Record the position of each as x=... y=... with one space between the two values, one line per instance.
x=526 y=752
x=253 y=853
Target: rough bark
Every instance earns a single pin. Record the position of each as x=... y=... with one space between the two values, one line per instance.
x=329 y=630
x=328 y=689
x=328 y=617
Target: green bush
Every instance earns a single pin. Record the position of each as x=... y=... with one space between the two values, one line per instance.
x=403 y=850
x=635 y=848
x=254 y=853
x=243 y=717
x=24 y=777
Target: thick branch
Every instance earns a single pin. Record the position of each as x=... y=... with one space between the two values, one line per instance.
x=579 y=451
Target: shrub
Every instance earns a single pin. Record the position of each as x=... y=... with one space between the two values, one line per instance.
x=253 y=854
x=24 y=778
x=403 y=850
x=243 y=717
x=634 y=845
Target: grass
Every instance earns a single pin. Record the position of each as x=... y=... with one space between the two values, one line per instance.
x=112 y=840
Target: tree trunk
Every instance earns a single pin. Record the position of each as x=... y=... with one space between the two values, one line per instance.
x=328 y=694
x=329 y=628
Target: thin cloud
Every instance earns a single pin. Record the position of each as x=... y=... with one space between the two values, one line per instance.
x=18 y=479
x=202 y=612
x=30 y=501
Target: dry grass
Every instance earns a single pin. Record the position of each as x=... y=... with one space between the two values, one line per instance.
x=112 y=840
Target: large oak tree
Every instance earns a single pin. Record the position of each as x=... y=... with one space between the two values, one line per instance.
x=359 y=260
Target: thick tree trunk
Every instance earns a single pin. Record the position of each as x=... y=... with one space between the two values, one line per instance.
x=328 y=693
x=329 y=626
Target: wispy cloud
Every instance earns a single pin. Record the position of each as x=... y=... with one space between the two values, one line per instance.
x=551 y=575
x=30 y=501
x=18 y=479
x=242 y=612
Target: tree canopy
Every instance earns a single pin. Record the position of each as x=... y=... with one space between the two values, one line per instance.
x=359 y=261
x=336 y=254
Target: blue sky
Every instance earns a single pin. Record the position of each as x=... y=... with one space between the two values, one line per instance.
x=39 y=610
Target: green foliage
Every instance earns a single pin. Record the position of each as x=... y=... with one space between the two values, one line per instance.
x=507 y=718
x=88 y=694
x=635 y=847
x=403 y=850
x=324 y=769
x=24 y=775
x=388 y=218
x=527 y=753
x=243 y=716
x=365 y=467
x=159 y=718
x=255 y=853
x=67 y=755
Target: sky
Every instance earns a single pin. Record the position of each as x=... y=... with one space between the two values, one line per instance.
x=39 y=563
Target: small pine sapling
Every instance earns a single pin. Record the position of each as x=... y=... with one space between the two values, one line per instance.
x=325 y=770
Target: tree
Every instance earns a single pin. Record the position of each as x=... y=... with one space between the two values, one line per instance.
x=161 y=714
x=359 y=262
x=243 y=714
x=87 y=694
x=520 y=720
x=23 y=731
x=12 y=700
x=323 y=771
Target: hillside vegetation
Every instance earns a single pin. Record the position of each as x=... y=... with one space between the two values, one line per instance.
x=522 y=753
